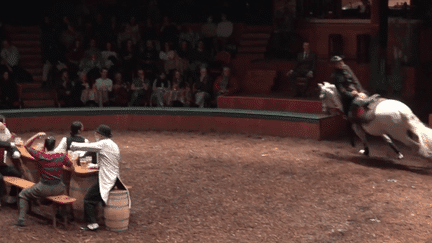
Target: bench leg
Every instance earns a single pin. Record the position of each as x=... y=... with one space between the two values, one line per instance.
x=54 y=214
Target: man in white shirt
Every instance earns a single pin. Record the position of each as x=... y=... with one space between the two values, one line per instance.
x=108 y=160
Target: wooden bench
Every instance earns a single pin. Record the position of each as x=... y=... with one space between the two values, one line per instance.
x=60 y=200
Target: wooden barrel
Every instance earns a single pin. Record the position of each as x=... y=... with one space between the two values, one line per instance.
x=117 y=210
x=79 y=185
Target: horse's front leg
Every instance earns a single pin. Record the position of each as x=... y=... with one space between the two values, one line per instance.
x=392 y=145
x=362 y=135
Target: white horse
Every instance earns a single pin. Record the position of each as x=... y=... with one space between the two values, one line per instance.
x=392 y=118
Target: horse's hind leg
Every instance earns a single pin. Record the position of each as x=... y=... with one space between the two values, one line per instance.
x=362 y=135
x=392 y=145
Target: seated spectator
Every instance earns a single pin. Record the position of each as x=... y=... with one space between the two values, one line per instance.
x=68 y=36
x=51 y=52
x=169 y=32
x=131 y=32
x=113 y=31
x=129 y=58
x=180 y=93
x=185 y=51
x=141 y=89
x=8 y=90
x=10 y=58
x=149 y=31
x=189 y=36
x=90 y=63
x=209 y=32
x=224 y=31
x=225 y=84
x=200 y=57
x=75 y=55
x=104 y=86
x=149 y=56
x=167 y=57
x=89 y=95
x=65 y=90
x=160 y=85
x=202 y=88
x=305 y=67
x=109 y=56
x=93 y=48
x=120 y=91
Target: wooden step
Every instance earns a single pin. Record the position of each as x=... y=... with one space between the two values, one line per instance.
x=260 y=42
x=29 y=86
x=20 y=29
x=251 y=56
x=252 y=49
x=39 y=103
x=38 y=95
x=259 y=28
x=256 y=36
x=24 y=36
x=34 y=71
x=26 y=43
x=30 y=58
x=34 y=50
x=29 y=65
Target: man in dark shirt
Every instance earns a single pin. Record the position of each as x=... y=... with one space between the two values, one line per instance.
x=348 y=86
x=305 y=67
x=50 y=165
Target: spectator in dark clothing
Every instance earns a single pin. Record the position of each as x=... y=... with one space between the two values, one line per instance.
x=202 y=88
x=169 y=32
x=8 y=90
x=149 y=56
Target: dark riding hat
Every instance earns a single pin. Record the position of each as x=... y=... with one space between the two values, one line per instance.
x=104 y=130
x=336 y=59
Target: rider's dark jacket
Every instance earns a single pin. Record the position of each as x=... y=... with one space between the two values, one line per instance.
x=345 y=82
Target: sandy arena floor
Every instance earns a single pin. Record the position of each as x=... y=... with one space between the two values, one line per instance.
x=193 y=187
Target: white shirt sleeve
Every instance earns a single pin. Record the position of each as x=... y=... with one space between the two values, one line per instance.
x=62 y=146
x=90 y=147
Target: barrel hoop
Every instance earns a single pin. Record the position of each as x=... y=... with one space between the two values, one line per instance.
x=117 y=207
x=78 y=189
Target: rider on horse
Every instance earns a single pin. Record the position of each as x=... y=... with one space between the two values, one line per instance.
x=353 y=95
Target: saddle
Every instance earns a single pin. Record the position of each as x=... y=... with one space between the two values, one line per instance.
x=362 y=110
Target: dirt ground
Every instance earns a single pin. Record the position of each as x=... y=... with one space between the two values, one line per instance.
x=193 y=187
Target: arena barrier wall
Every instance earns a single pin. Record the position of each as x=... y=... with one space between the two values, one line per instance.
x=274 y=123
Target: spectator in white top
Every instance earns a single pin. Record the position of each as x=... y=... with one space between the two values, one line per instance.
x=104 y=87
x=224 y=31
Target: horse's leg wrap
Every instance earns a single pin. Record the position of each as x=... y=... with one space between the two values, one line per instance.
x=362 y=135
x=392 y=145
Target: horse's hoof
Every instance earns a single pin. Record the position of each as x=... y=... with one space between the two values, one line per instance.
x=400 y=156
x=364 y=152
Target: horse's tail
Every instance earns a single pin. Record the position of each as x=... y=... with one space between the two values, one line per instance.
x=420 y=134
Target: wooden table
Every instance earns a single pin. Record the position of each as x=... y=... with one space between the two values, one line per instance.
x=77 y=181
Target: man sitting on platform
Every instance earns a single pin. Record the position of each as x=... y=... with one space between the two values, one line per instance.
x=50 y=165
x=305 y=68
x=225 y=84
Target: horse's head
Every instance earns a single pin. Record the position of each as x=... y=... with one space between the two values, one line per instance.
x=330 y=98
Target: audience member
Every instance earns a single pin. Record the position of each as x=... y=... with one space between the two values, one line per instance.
x=8 y=90
x=141 y=89
x=10 y=58
x=93 y=48
x=189 y=36
x=75 y=55
x=89 y=95
x=224 y=31
x=202 y=88
x=89 y=63
x=180 y=93
x=305 y=67
x=169 y=32
x=104 y=87
x=50 y=50
x=120 y=91
x=68 y=37
x=109 y=56
x=149 y=31
x=209 y=32
x=149 y=56
x=225 y=84
x=160 y=86
x=131 y=32
x=200 y=57
x=129 y=58
x=167 y=57
x=65 y=90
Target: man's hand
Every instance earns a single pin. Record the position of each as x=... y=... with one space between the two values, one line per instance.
x=290 y=72
x=309 y=74
x=354 y=92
